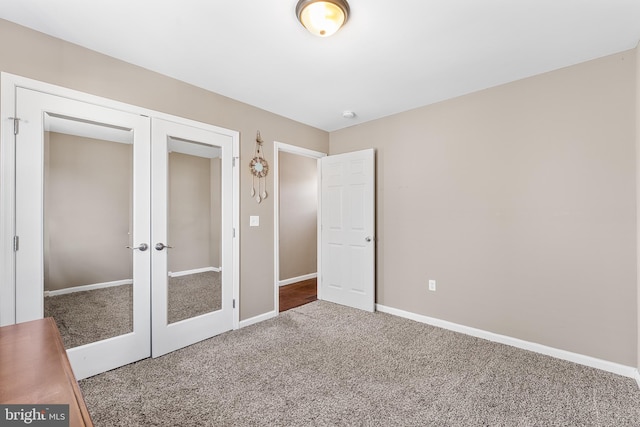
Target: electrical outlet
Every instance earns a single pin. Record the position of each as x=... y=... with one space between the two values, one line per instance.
x=432 y=285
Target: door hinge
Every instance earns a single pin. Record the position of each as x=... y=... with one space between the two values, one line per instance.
x=234 y=303
x=234 y=161
x=16 y=243
x=16 y=125
x=234 y=232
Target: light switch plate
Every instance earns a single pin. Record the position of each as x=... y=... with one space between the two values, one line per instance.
x=254 y=221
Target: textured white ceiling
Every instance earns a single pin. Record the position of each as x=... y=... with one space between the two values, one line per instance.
x=391 y=56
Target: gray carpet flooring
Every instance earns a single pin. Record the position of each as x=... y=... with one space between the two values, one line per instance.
x=322 y=364
x=193 y=295
x=89 y=316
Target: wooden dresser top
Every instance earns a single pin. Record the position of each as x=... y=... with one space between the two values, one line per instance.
x=34 y=369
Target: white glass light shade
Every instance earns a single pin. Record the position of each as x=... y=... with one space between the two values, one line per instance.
x=322 y=18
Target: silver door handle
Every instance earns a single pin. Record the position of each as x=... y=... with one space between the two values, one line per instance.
x=161 y=246
x=368 y=238
x=143 y=247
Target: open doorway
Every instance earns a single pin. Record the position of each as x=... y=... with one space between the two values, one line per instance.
x=296 y=225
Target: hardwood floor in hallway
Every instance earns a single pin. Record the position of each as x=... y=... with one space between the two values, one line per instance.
x=297 y=294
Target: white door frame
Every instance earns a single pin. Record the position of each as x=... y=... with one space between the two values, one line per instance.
x=305 y=152
x=8 y=84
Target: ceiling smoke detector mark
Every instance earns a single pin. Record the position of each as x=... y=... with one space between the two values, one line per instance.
x=348 y=114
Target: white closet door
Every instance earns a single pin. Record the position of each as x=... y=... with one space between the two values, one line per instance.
x=82 y=197
x=192 y=234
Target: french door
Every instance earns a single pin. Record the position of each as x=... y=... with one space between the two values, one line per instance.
x=124 y=229
x=190 y=225
x=82 y=197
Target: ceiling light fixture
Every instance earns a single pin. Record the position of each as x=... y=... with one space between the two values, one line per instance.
x=322 y=18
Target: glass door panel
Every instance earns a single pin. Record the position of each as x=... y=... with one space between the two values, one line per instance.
x=88 y=292
x=194 y=221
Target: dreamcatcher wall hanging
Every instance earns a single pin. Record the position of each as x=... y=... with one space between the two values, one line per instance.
x=259 y=169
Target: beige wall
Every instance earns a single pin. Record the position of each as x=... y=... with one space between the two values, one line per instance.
x=298 y=215
x=35 y=55
x=520 y=202
x=88 y=208
x=193 y=224
x=87 y=211
x=215 y=229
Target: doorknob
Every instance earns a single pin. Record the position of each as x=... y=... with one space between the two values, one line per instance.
x=368 y=238
x=161 y=246
x=143 y=247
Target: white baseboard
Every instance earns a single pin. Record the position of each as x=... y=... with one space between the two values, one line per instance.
x=194 y=271
x=297 y=279
x=258 y=319
x=87 y=287
x=123 y=282
x=616 y=368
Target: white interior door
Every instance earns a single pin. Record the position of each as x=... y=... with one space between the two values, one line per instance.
x=82 y=196
x=192 y=229
x=347 y=248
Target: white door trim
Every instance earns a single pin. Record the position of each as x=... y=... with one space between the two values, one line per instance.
x=8 y=84
x=305 y=152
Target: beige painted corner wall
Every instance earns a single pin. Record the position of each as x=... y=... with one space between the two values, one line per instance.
x=194 y=213
x=520 y=201
x=215 y=227
x=298 y=215
x=88 y=185
x=38 y=56
x=87 y=211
